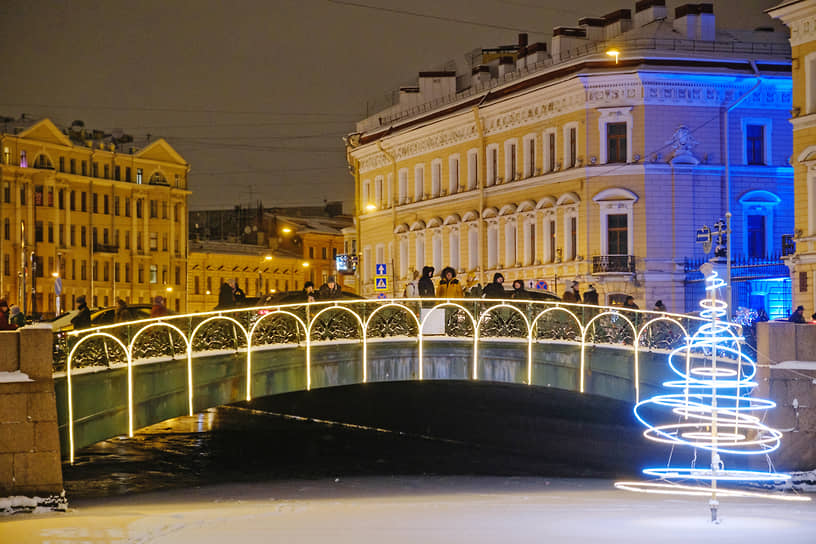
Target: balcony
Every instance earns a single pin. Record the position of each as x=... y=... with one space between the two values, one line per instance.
x=613 y=264
x=105 y=248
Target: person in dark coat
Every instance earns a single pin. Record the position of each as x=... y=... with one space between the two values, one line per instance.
x=238 y=295
x=225 y=297
x=519 y=291
x=426 y=286
x=83 y=319
x=308 y=292
x=591 y=296
x=330 y=290
x=495 y=289
x=798 y=316
x=16 y=316
x=630 y=303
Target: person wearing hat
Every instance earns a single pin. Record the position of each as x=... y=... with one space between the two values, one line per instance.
x=591 y=296
x=425 y=284
x=495 y=289
x=4 y=317
x=330 y=290
x=83 y=319
x=449 y=286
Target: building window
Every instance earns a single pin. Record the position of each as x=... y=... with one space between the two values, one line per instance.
x=105 y=204
x=403 y=256
x=436 y=249
x=62 y=164
x=378 y=192
x=550 y=150
x=61 y=199
x=138 y=208
x=529 y=155
x=6 y=265
x=366 y=195
x=758 y=220
x=436 y=178
x=616 y=142
x=116 y=206
x=453 y=175
x=617 y=232
x=473 y=169
x=117 y=173
x=23 y=190
x=139 y=175
x=95 y=203
x=6 y=192
x=615 y=129
x=128 y=173
x=757 y=148
x=127 y=207
x=510 y=161
x=83 y=201
x=510 y=235
x=154 y=273
x=95 y=169
x=473 y=246
x=127 y=272
x=551 y=235
x=617 y=216
x=419 y=182
x=106 y=171
x=756 y=236
x=571 y=145
x=492 y=244
x=6 y=229
x=84 y=168
x=492 y=165
x=419 y=247
x=23 y=160
x=453 y=245
x=402 y=191
x=72 y=166
x=529 y=240
x=50 y=232
x=83 y=237
x=324 y=252
x=154 y=241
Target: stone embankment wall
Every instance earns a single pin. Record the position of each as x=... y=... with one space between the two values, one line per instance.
x=30 y=461
x=786 y=353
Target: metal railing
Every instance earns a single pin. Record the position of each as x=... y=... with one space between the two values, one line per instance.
x=613 y=264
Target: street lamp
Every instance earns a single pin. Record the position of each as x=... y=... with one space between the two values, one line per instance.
x=370 y=207
x=613 y=53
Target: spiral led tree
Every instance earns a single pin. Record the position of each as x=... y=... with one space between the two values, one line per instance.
x=710 y=409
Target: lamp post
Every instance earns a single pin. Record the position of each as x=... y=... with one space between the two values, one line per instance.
x=266 y=259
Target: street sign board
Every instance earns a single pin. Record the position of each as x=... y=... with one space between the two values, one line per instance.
x=381 y=284
x=381 y=269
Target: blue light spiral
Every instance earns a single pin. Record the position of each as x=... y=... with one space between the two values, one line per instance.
x=709 y=407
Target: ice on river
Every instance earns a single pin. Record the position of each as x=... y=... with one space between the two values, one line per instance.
x=411 y=509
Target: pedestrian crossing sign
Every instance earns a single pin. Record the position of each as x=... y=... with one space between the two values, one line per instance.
x=381 y=284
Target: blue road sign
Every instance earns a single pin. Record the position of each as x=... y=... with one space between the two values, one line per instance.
x=381 y=284
x=381 y=269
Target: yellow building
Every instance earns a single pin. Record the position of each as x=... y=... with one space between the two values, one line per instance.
x=560 y=163
x=256 y=270
x=86 y=214
x=800 y=16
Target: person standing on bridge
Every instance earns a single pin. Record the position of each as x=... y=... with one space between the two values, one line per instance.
x=158 y=309
x=495 y=289
x=330 y=290
x=572 y=294
x=225 y=297
x=449 y=286
x=425 y=284
x=4 y=317
x=83 y=319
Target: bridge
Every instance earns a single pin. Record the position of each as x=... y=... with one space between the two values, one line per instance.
x=114 y=379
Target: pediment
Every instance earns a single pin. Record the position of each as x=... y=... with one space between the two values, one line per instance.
x=161 y=151
x=47 y=132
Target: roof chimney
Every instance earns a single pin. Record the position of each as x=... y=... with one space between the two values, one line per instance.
x=506 y=65
x=648 y=11
x=564 y=39
x=480 y=75
x=695 y=21
x=594 y=27
x=617 y=23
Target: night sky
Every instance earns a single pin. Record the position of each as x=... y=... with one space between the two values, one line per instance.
x=256 y=94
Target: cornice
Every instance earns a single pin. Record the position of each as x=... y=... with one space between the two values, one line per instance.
x=800 y=17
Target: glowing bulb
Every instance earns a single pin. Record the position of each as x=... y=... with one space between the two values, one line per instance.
x=370 y=207
x=286 y=230
x=613 y=53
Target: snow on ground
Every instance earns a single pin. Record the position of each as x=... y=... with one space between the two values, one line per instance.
x=12 y=377
x=398 y=510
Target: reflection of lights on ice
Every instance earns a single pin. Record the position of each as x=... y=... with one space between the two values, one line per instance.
x=712 y=410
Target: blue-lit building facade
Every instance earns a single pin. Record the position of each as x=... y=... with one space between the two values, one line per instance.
x=559 y=162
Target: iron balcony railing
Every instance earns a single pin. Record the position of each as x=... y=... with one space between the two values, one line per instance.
x=105 y=248
x=613 y=264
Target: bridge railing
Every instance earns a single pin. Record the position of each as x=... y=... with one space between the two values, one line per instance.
x=365 y=321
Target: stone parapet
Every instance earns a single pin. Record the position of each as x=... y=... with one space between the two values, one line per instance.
x=786 y=353
x=30 y=462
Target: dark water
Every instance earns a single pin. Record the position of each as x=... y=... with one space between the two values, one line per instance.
x=384 y=429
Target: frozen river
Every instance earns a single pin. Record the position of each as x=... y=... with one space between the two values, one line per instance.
x=410 y=509
x=241 y=475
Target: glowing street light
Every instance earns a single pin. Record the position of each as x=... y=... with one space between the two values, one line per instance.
x=370 y=207
x=613 y=53
x=286 y=230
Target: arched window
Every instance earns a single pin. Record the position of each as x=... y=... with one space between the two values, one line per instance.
x=758 y=222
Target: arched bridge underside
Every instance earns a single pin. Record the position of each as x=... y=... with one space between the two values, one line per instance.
x=600 y=351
